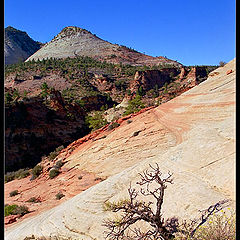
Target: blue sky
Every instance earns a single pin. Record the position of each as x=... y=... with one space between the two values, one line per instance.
x=193 y=32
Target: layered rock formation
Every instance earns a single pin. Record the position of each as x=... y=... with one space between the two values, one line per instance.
x=148 y=79
x=193 y=136
x=18 y=46
x=33 y=128
x=75 y=41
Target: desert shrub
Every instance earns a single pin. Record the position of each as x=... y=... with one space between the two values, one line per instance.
x=96 y=121
x=110 y=206
x=80 y=177
x=21 y=173
x=9 y=209
x=53 y=173
x=165 y=88
x=136 y=133
x=9 y=176
x=141 y=91
x=121 y=84
x=13 y=193
x=113 y=125
x=55 y=153
x=134 y=105
x=60 y=148
x=218 y=226
x=22 y=210
x=52 y=155
x=33 y=200
x=58 y=164
x=15 y=210
x=36 y=171
x=45 y=90
x=98 y=178
x=8 y=97
x=59 y=195
x=222 y=64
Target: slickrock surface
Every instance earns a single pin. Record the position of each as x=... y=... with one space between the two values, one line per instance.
x=70 y=182
x=193 y=136
x=74 y=41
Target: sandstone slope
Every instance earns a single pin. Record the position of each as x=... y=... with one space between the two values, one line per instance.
x=18 y=46
x=75 y=41
x=193 y=136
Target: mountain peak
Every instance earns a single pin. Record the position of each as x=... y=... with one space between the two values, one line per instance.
x=70 y=31
x=18 y=46
x=74 y=41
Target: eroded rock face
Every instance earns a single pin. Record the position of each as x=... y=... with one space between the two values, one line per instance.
x=18 y=46
x=33 y=129
x=148 y=79
x=192 y=136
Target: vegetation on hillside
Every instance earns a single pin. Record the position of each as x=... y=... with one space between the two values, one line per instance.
x=134 y=105
x=78 y=71
x=15 y=210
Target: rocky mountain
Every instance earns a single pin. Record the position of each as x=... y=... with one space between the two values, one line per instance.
x=18 y=46
x=192 y=136
x=75 y=41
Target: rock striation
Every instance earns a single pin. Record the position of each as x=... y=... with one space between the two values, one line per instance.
x=192 y=136
x=18 y=46
x=74 y=41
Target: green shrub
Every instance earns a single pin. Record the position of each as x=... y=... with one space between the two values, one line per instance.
x=55 y=153
x=44 y=93
x=52 y=155
x=36 y=171
x=8 y=97
x=53 y=173
x=218 y=226
x=60 y=148
x=96 y=121
x=141 y=91
x=9 y=209
x=22 y=173
x=110 y=206
x=9 y=176
x=13 y=193
x=134 y=105
x=15 y=210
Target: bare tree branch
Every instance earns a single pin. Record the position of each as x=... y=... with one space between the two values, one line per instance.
x=133 y=211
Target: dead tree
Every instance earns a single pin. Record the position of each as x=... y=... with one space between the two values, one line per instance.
x=134 y=210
